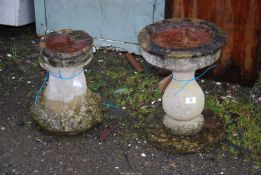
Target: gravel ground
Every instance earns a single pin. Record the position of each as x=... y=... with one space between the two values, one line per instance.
x=25 y=149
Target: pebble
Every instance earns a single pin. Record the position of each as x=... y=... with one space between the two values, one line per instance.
x=123 y=107
x=152 y=102
x=159 y=99
x=1 y=70
x=28 y=82
x=221 y=172
x=100 y=61
x=93 y=49
x=235 y=134
x=143 y=155
x=2 y=128
x=13 y=78
x=116 y=167
x=218 y=83
x=9 y=55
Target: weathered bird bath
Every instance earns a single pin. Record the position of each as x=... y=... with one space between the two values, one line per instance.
x=67 y=105
x=183 y=46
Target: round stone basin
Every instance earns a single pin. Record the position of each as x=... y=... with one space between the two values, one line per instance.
x=66 y=48
x=64 y=44
x=181 y=44
x=182 y=37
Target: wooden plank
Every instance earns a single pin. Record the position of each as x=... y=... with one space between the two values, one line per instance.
x=241 y=21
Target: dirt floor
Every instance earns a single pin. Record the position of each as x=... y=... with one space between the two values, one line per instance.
x=26 y=149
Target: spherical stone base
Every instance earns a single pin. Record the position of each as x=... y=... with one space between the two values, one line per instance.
x=71 y=118
x=178 y=127
x=209 y=136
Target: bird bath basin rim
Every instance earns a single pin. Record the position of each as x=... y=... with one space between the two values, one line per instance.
x=148 y=42
x=66 y=48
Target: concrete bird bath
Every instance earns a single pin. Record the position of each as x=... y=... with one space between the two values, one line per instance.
x=66 y=105
x=183 y=46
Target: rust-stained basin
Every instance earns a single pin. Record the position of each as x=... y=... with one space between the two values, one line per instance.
x=172 y=43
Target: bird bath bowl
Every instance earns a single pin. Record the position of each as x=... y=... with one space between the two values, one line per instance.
x=66 y=105
x=183 y=46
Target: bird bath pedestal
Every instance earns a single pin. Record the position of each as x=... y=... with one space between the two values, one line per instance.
x=66 y=105
x=183 y=46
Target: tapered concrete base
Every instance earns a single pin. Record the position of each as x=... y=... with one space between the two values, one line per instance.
x=207 y=138
x=184 y=127
x=71 y=118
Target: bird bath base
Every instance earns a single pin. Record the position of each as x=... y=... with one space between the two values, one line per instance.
x=71 y=118
x=161 y=137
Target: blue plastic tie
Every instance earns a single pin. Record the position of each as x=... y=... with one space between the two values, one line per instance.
x=36 y=99
x=110 y=105
x=191 y=80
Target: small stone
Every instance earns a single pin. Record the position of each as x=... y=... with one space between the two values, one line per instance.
x=100 y=61
x=159 y=99
x=123 y=107
x=221 y=172
x=28 y=82
x=235 y=134
x=229 y=96
x=2 y=128
x=218 y=83
x=143 y=155
x=152 y=102
x=129 y=145
x=116 y=167
x=202 y=81
x=93 y=49
x=9 y=55
x=13 y=78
